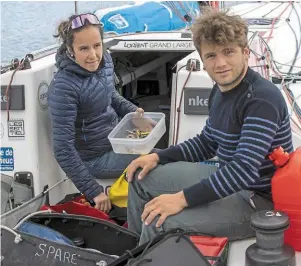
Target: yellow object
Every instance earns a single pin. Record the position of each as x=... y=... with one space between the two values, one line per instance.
x=142 y=134
x=118 y=193
x=136 y=133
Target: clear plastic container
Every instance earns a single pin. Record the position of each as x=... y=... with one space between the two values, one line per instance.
x=149 y=122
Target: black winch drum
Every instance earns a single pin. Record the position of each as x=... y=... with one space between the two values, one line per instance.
x=269 y=249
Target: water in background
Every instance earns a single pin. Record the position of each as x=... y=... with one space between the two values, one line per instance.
x=29 y=26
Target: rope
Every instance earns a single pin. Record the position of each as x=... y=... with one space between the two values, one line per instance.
x=8 y=87
x=176 y=11
x=272 y=10
x=18 y=238
x=29 y=216
x=256 y=8
x=269 y=64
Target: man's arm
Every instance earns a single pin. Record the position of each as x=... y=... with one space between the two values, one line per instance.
x=63 y=102
x=200 y=148
x=259 y=128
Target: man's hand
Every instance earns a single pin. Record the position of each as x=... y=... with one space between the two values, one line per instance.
x=163 y=205
x=147 y=163
x=102 y=202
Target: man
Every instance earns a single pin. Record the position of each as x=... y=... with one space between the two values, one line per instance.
x=248 y=119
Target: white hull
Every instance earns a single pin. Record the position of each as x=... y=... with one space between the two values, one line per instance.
x=32 y=150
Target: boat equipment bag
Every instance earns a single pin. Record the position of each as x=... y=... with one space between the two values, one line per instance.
x=44 y=232
x=77 y=204
x=23 y=249
x=187 y=248
x=89 y=232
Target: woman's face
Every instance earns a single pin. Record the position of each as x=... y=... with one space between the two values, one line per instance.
x=87 y=48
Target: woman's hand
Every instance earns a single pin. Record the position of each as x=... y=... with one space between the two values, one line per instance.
x=142 y=123
x=102 y=202
x=140 y=111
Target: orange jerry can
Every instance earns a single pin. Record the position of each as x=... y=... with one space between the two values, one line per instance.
x=286 y=191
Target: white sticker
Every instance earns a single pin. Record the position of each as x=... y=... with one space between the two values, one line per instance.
x=16 y=129
x=269 y=214
x=119 y=21
x=155 y=45
x=1 y=131
x=43 y=95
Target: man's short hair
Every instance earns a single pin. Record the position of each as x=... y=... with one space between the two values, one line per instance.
x=219 y=28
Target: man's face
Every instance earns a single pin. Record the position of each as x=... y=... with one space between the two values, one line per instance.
x=226 y=65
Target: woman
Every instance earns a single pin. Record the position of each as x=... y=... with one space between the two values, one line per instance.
x=85 y=107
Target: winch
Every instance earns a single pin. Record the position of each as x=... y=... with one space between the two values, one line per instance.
x=269 y=249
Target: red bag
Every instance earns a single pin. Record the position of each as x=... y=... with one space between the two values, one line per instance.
x=78 y=206
x=189 y=248
x=211 y=247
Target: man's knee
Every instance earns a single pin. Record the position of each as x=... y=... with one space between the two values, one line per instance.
x=150 y=231
x=146 y=178
x=135 y=175
x=134 y=179
x=135 y=187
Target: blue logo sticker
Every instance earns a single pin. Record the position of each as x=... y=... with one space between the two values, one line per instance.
x=211 y=162
x=119 y=21
x=7 y=159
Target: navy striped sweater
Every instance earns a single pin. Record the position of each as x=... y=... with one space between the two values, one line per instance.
x=245 y=124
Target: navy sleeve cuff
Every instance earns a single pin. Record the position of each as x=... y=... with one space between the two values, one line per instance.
x=162 y=159
x=90 y=196
x=200 y=193
x=170 y=155
x=132 y=108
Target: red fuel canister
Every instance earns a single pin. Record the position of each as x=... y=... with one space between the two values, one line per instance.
x=286 y=192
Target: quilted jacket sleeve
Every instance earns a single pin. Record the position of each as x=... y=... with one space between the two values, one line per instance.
x=63 y=102
x=121 y=105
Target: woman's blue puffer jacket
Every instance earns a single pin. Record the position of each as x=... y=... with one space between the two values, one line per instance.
x=84 y=108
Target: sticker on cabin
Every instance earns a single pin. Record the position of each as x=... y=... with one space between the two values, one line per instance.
x=196 y=101
x=184 y=45
x=7 y=159
x=16 y=97
x=119 y=21
x=43 y=95
x=16 y=129
x=1 y=131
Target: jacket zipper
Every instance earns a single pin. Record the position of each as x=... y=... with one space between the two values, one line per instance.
x=83 y=127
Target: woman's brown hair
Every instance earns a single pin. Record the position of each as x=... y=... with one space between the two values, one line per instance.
x=66 y=34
